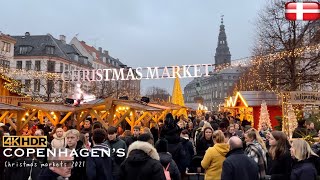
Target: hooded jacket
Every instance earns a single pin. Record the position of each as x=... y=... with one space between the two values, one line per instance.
x=165 y=159
x=57 y=142
x=213 y=160
x=304 y=169
x=99 y=168
x=142 y=163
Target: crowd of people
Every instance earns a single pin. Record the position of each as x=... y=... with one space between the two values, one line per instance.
x=216 y=146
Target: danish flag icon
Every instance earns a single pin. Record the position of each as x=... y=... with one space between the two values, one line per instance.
x=305 y=11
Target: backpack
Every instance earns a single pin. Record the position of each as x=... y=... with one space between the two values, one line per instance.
x=166 y=172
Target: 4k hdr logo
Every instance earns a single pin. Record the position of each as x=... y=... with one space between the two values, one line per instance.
x=305 y=11
x=24 y=141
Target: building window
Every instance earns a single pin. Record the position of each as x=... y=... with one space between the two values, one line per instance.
x=229 y=77
x=6 y=47
x=27 y=85
x=51 y=66
x=225 y=94
x=5 y=63
x=230 y=83
x=61 y=67
x=19 y=65
x=49 y=49
x=37 y=66
x=28 y=65
x=36 y=87
x=50 y=86
x=234 y=77
x=66 y=67
x=24 y=49
x=60 y=86
x=225 y=84
x=66 y=87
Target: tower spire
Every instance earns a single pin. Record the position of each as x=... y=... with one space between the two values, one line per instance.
x=222 y=55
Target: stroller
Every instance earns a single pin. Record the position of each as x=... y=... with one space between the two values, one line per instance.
x=195 y=171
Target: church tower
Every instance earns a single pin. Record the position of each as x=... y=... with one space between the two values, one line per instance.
x=222 y=55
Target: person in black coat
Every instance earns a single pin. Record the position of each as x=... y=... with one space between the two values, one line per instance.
x=166 y=159
x=205 y=141
x=279 y=159
x=237 y=165
x=171 y=132
x=142 y=163
x=187 y=146
x=73 y=143
x=305 y=161
x=99 y=168
x=300 y=131
x=63 y=172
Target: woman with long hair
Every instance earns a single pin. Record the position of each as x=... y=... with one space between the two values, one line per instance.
x=280 y=162
x=256 y=150
x=305 y=161
x=205 y=141
x=214 y=157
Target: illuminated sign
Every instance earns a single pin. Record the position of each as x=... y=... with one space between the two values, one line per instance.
x=114 y=74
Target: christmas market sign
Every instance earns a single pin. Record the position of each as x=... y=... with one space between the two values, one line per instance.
x=303 y=97
x=139 y=73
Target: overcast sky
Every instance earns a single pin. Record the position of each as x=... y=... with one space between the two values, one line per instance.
x=140 y=32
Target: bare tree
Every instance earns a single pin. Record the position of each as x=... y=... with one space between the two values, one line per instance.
x=286 y=55
x=157 y=93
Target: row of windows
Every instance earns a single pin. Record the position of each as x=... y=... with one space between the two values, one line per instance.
x=6 y=47
x=51 y=66
x=4 y=63
x=50 y=86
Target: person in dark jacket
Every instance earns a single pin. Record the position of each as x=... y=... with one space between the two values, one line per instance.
x=142 y=163
x=280 y=161
x=171 y=132
x=166 y=159
x=73 y=143
x=187 y=146
x=300 y=131
x=304 y=167
x=58 y=172
x=116 y=145
x=205 y=141
x=237 y=165
x=99 y=168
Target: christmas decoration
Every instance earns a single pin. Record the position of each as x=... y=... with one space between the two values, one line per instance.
x=264 y=116
x=177 y=97
x=292 y=120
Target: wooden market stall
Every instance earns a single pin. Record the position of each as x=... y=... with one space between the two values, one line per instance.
x=10 y=111
x=248 y=105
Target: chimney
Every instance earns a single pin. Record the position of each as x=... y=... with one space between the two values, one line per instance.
x=100 y=49
x=106 y=53
x=62 y=38
x=27 y=34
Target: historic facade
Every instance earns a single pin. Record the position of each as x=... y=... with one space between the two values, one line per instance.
x=219 y=85
x=45 y=54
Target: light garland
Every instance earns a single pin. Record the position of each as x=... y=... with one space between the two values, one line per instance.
x=292 y=120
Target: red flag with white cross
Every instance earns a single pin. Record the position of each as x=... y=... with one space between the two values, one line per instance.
x=305 y=11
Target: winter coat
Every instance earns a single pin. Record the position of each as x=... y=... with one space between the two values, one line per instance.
x=178 y=155
x=213 y=159
x=128 y=140
x=280 y=168
x=58 y=143
x=115 y=145
x=303 y=170
x=316 y=148
x=238 y=166
x=142 y=163
x=47 y=174
x=258 y=154
x=22 y=173
x=188 y=148
x=203 y=145
x=300 y=132
x=99 y=168
x=79 y=172
x=165 y=159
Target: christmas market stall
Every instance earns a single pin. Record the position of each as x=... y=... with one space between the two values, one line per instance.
x=8 y=113
x=249 y=104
